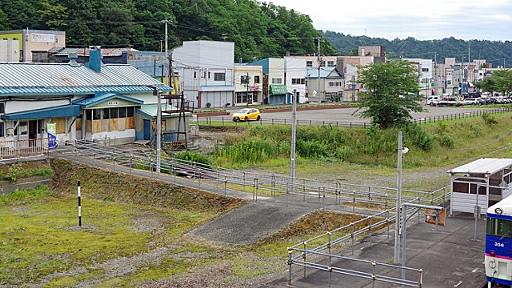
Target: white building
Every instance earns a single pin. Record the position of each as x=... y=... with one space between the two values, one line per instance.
x=206 y=72
x=330 y=82
x=248 y=84
x=425 y=73
x=295 y=77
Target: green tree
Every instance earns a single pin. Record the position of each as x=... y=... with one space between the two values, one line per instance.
x=391 y=93
x=499 y=81
x=3 y=20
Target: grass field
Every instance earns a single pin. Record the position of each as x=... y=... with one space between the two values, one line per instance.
x=134 y=234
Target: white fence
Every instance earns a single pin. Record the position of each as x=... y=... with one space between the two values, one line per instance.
x=13 y=149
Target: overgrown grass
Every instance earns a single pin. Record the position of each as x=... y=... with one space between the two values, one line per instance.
x=19 y=171
x=433 y=145
x=39 y=236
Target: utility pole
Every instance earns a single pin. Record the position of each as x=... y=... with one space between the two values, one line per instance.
x=319 y=64
x=469 y=52
x=159 y=105
x=294 y=138
x=247 y=87
x=396 y=258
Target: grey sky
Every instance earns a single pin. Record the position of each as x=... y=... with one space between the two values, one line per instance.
x=433 y=19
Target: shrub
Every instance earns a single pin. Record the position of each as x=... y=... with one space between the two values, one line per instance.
x=312 y=149
x=489 y=119
x=418 y=137
x=447 y=141
x=208 y=105
x=194 y=157
x=251 y=151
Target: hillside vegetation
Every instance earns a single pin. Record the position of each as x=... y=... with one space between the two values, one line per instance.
x=258 y=29
x=493 y=51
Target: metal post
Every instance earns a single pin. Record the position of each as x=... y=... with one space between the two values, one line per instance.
x=396 y=257
x=477 y=212
x=289 y=267
x=256 y=184
x=225 y=185
x=304 y=258
x=404 y=239
x=294 y=138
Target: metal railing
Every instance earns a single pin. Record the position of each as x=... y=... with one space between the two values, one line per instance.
x=228 y=121
x=259 y=183
x=11 y=149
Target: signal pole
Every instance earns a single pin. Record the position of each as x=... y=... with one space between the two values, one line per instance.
x=396 y=258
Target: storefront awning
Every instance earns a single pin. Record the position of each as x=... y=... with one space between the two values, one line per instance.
x=278 y=90
x=45 y=113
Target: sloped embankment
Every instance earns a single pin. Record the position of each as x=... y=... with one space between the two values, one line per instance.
x=107 y=185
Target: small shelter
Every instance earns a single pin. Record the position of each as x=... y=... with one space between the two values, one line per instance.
x=481 y=183
x=146 y=123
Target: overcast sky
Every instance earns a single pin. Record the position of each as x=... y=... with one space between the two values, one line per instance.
x=432 y=19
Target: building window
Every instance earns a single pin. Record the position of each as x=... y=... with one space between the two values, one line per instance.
x=219 y=76
x=129 y=111
x=209 y=75
x=244 y=79
x=2 y=127
x=322 y=63
x=256 y=79
x=195 y=75
x=21 y=129
x=298 y=81
x=425 y=69
x=331 y=84
x=122 y=112
x=331 y=63
x=309 y=63
x=277 y=81
x=114 y=113
x=2 y=107
x=106 y=113
x=96 y=114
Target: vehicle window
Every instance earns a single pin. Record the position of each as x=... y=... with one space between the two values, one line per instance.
x=243 y=111
x=499 y=227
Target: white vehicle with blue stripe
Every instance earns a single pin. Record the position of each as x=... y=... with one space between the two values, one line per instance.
x=498 y=244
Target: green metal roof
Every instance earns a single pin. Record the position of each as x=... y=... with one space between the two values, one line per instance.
x=45 y=113
x=150 y=110
x=45 y=79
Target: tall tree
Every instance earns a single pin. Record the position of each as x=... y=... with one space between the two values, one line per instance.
x=391 y=93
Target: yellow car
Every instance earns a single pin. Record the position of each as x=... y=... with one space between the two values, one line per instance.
x=247 y=114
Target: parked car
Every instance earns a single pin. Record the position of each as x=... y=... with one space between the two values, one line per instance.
x=482 y=101
x=247 y=114
x=433 y=100
x=471 y=101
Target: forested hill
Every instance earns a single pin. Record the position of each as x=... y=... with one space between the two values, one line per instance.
x=259 y=30
x=493 y=51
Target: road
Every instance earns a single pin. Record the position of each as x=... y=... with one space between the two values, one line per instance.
x=352 y=115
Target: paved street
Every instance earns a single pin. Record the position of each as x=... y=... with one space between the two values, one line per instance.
x=352 y=115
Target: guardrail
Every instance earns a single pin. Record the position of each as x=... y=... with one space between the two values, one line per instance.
x=12 y=149
x=259 y=183
x=228 y=122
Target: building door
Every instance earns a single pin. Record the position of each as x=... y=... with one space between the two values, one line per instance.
x=147 y=129
x=32 y=132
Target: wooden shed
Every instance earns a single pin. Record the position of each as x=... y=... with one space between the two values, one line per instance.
x=481 y=183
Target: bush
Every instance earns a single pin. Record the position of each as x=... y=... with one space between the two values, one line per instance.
x=251 y=151
x=447 y=141
x=194 y=157
x=418 y=137
x=208 y=105
x=312 y=149
x=489 y=119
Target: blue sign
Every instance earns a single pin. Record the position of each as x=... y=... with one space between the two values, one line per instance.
x=52 y=141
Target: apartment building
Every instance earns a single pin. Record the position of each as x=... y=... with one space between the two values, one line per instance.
x=248 y=84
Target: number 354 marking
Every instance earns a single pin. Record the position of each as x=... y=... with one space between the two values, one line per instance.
x=498 y=244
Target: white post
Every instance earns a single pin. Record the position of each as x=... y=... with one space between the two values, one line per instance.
x=396 y=257
x=79 y=205
x=294 y=136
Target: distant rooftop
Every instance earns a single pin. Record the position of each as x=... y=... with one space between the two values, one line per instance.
x=109 y=52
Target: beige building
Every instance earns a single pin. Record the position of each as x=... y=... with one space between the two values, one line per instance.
x=248 y=85
x=34 y=40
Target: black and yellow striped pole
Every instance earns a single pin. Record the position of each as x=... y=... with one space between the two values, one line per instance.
x=79 y=206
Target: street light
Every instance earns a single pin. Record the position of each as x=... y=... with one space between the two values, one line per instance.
x=400 y=151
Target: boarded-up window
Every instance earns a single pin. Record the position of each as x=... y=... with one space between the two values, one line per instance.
x=60 y=124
